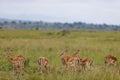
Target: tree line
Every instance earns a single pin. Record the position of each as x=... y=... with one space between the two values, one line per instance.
x=40 y=25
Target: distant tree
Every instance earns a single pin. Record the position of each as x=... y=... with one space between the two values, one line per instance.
x=5 y=22
x=24 y=23
x=37 y=28
x=0 y=27
x=13 y=22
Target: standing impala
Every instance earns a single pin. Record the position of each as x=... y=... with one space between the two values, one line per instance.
x=22 y=60
x=43 y=63
x=77 y=55
x=73 y=63
x=68 y=61
x=86 y=63
x=111 y=60
x=16 y=62
x=64 y=58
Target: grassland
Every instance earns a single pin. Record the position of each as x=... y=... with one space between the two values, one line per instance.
x=32 y=44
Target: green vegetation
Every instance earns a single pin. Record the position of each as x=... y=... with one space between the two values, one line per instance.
x=32 y=44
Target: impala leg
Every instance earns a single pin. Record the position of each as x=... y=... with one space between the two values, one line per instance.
x=40 y=69
x=91 y=65
x=13 y=67
x=84 y=66
x=47 y=69
x=22 y=64
x=67 y=67
x=75 y=68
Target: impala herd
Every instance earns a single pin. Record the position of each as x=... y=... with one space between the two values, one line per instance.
x=73 y=62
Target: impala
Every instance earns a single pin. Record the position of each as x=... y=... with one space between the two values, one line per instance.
x=78 y=59
x=72 y=63
x=64 y=58
x=21 y=59
x=77 y=55
x=16 y=63
x=68 y=61
x=86 y=63
x=43 y=63
x=111 y=60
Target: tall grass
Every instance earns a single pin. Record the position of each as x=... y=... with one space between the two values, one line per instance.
x=32 y=44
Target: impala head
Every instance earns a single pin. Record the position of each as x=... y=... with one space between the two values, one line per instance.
x=10 y=59
x=78 y=51
x=63 y=53
x=76 y=54
x=8 y=54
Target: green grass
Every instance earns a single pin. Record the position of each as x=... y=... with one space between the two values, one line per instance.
x=33 y=43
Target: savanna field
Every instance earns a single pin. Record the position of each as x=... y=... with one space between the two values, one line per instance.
x=35 y=43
